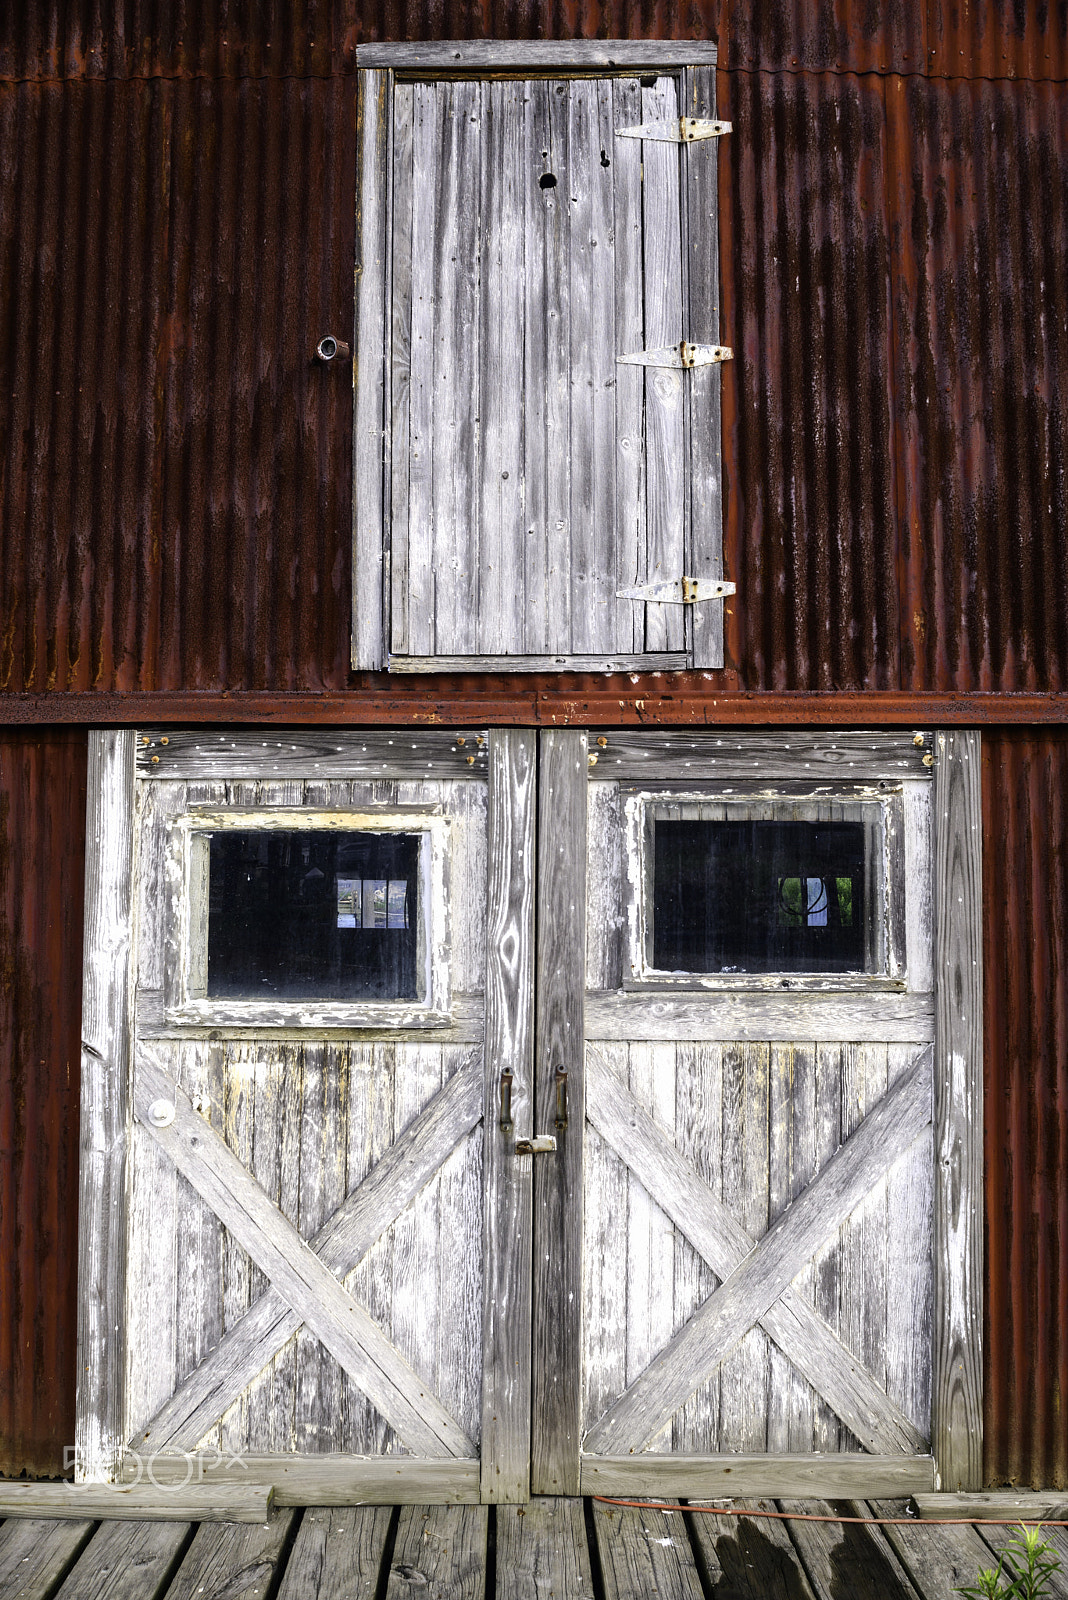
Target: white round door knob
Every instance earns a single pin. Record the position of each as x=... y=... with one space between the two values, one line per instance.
x=161 y=1113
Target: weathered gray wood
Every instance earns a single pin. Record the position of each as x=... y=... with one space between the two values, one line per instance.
x=939 y=1561
x=341 y=1243
x=750 y=1558
x=441 y=1549
x=711 y=1227
x=529 y=55
x=809 y=1015
x=1031 y=1505
x=105 y=1067
x=717 y=1477
x=559 y=989
x=466 y=1025
x=369 y=374
x=645 y=1553
x=339 y=1480
x=635 y=754
x=310 y=1288
x=312 y=754
x=843 y=1558
x=542 y=1550
x=884 y=1134
x=233 y=1561
x=558 y=331
x=508 y=1182
x=653 y=661
x=957 y=1382
x=134 y=1503
x=399 y=398
x=665 y=460
x=337 y=1554
x=699 y=173
x=126 y=1561
x=630 y=506
x=35 y=1556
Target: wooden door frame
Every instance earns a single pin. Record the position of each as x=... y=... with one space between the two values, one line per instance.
x=957 y=1368
x=506 y=760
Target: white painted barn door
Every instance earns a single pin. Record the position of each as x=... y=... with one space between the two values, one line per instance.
x=318 y=1229
x=761 y=1250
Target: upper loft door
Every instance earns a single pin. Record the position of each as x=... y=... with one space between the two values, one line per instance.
x=548 y=492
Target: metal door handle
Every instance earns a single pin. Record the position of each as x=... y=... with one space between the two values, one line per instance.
x=561 y=1098
x=543 y=1145
x=506 y=1101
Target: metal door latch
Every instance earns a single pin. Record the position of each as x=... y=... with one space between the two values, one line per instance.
x=678 y=591
x=543 y=1145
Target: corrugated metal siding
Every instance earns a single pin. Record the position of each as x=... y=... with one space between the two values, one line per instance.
x=998 y=38
x=42 y=826
x=214 y=38
x=895 y=428
x=175 y=468
x=1025 y=883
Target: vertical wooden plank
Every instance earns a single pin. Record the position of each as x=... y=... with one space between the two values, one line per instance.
x=744 y=1373
x=595 y=557
x=584 y=349
x=665 y=460
x=792 y=1118
x=604 y=888
x=105 y=1068
x=650 y=1233
x=370 y=435
x=605 y=1249
x=539 y=218
x=508 y=1179
x=448 y=241
x=626 y=158
x=698 y=1137
x=411 y=369
x=198 y=1256
x=501 y=599
x=559 y=323
x=864 y=1284
x=957 y=1380
x=151 y=1312
x=919 y=887
x=909 y=1303
x=369 y=1134
x=827 y=1261
x=559 y=995
x=416 y=1233
x=699 y=178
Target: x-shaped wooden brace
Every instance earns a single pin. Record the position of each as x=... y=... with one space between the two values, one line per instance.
x=756 y=1277
x=304 y=1277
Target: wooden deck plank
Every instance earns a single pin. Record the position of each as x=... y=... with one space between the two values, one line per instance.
x=442 y=1550
x=337 y=1553
x=937 y=1559
x=233 y=1560
x=841 y=1558
x=136 y=1503
x=749 y=1556
x=35 y=1555
x=126 y=1561
x=645 y=1553
x=542 y=1550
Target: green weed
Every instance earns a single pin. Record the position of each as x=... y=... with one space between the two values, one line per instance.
x=1032 y=1565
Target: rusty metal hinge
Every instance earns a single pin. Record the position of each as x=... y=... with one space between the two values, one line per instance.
x=682 y=355
x=680 y=130
x=678 y=591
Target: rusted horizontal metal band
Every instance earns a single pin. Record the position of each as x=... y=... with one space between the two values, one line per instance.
x=620 y=701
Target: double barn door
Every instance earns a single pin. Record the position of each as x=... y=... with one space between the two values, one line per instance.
x=313 y=1212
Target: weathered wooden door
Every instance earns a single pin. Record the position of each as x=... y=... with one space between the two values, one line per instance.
x=538 y=321
x=319 y=1263
x=770 y=1263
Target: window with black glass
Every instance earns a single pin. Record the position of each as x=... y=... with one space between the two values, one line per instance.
x=741 y=895
x=300 y=914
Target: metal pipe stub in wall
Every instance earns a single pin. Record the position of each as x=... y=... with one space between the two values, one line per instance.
x=329 y=348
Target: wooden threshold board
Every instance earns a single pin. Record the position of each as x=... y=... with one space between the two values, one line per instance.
x=821 y=1477
x=218 y=1502
x=341 y=1480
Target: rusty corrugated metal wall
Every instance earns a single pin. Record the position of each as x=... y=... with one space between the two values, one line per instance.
x=42 y=824
x=176 y=232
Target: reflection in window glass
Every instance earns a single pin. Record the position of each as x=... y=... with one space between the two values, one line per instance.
x=299 y=915
x=737 y=896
